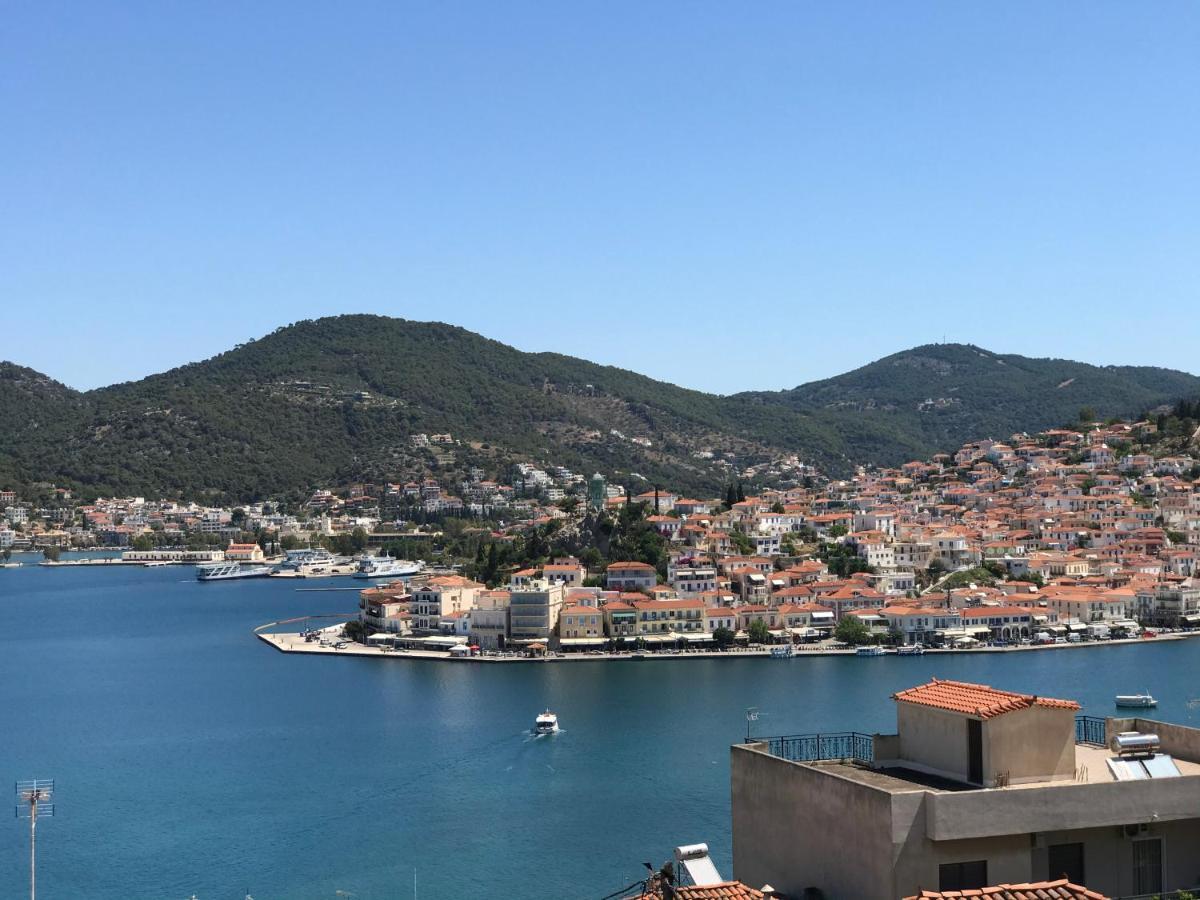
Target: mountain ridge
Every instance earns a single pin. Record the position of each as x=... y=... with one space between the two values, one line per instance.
x=341 y=398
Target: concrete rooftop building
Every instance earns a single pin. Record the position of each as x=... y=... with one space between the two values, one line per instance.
x=978 y=787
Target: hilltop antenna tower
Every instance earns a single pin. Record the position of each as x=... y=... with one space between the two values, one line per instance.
x=33 y=800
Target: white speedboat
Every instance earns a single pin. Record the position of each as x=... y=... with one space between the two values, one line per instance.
x=1140 y=701
x=786 y=651
x=228 y=571
x=386 y=567
x=910 y=650
x=545 y=723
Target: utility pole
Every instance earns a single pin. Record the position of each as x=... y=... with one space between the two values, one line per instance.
x=33 y=800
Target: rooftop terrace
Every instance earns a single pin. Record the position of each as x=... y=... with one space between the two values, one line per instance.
x=852 y=755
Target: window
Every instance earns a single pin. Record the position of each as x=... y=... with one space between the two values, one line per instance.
x=962 y=876
x=1147 y=866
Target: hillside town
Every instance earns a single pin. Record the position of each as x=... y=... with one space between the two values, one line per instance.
x=1047 y=538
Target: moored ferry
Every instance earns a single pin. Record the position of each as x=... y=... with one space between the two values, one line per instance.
x=387 y=567
x=228 y=571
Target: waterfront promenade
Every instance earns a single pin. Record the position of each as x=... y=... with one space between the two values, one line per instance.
x=294 y=642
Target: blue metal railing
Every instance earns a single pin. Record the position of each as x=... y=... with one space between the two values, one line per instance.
x=815 y=747
x=1090 y=730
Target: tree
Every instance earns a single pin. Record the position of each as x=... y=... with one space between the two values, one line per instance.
x=6 y=554
x=591 y=558
x=51 y=553
x=1087 y=414
x=354 y=630
x=852 y=630
x=143 y=542
x=723 y=637
x=759 y=633
x=741 y=543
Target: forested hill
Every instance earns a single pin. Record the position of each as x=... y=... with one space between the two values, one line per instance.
x=340 y=399
x=941 y=395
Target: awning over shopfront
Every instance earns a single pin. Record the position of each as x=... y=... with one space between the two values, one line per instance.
x=583 y=642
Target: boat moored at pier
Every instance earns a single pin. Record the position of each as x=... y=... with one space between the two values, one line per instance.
x=229 y=571
x=387 y=567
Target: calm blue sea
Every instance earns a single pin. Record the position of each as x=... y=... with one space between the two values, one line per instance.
x=191 y=758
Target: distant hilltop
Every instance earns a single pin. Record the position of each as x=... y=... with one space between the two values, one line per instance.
x=347 y=398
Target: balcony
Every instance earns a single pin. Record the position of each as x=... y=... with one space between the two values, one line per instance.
x=842 y=745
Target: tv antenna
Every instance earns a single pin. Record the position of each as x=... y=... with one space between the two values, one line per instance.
x=33 y=800
x=751 y=716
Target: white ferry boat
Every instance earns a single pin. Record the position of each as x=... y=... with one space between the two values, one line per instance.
x=387 y=567
x=306 y=556
x=312 y=562
x=227 y=571
x=545 y=723
x=872 y=650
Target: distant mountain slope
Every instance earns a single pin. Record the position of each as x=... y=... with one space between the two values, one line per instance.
x=940 y=395
x=339 y=399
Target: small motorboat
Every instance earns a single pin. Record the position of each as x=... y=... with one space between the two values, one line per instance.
x=545 y=723
x=786 y=651
x=910 y=650
x=1141 y=701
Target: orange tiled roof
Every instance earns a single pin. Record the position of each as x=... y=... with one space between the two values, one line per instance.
x=726 y=890
x=975 y=699
x=1037 y=890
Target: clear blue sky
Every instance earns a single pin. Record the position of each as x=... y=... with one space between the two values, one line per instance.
x=812 y=185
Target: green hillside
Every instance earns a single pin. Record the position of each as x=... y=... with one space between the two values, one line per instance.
x=940 y=395
x=339 y=399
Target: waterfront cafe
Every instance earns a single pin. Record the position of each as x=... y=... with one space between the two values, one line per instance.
x=582 y=643
x=436 y=642
x=963 y=635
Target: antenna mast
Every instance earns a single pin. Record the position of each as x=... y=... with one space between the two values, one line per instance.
x=33 y=800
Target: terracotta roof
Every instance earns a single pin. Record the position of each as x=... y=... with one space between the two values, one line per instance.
x=1037 y=890
x=975 y=699
x=726 y=890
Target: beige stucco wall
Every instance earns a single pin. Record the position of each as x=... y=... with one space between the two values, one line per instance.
x=1034 y=744
x=917 y=862
x=796 y=827
x=933 y=739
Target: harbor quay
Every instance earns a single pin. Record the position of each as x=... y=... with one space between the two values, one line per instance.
x=330 y=640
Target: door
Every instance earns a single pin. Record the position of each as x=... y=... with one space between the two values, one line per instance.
x=1147 y=866
x=974 y=751
x=1066 y=861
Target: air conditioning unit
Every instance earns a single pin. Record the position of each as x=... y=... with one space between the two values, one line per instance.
x=1139 y=830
